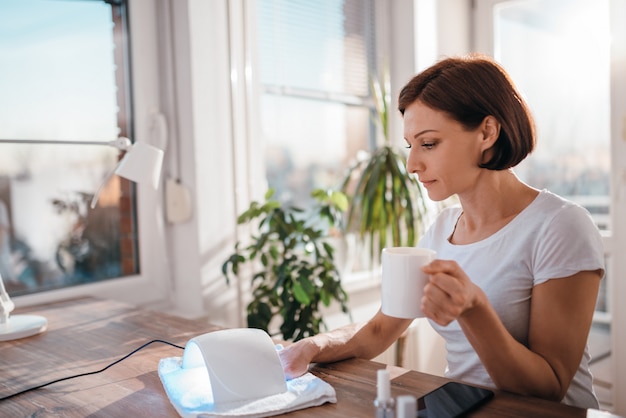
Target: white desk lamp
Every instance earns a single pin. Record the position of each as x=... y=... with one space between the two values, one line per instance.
x=141 y=163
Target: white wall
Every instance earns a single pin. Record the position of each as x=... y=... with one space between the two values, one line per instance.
x=618 y=203
x=204 y=161
x=453 y=27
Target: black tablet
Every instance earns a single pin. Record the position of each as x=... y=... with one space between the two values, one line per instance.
x=451 y=400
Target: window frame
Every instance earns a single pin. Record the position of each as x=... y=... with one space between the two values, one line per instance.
x=151 y=284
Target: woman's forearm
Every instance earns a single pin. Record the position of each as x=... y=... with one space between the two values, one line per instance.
x=511 y=365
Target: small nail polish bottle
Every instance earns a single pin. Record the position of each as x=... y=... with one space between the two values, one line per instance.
x=384 y=403
x=406 y=406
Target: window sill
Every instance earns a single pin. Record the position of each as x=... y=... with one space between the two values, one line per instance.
x=361 y=281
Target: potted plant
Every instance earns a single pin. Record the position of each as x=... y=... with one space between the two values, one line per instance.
x=386 y=202
x=293 y=264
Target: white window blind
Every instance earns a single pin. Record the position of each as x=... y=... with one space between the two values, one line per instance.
x=315 y=61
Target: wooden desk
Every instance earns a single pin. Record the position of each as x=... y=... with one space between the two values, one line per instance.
x=87 y=334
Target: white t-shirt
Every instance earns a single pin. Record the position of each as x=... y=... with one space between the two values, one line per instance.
x=551 y=238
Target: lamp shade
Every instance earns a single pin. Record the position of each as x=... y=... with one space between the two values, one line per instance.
x=141 y=164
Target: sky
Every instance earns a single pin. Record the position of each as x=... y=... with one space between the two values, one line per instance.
x=49 y=75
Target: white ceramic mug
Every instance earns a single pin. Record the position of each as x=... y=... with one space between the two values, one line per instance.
x=403 y=280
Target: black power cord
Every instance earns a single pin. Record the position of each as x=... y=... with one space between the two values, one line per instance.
x=90 y=373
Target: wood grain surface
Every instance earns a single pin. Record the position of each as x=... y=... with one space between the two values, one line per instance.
x=85 y=335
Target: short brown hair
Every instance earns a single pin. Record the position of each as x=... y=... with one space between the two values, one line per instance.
x=470 y=88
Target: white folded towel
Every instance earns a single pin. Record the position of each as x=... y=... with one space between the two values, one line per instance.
x=189 y=390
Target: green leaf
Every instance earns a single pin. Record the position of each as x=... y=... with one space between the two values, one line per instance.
x=325 y=297
x=269 y=193
x=259 y=315
x=300 y=294
x=307 y=284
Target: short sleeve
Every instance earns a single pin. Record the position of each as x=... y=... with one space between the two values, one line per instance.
x=568 y=243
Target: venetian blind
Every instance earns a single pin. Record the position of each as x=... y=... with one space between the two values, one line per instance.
x=318 y=48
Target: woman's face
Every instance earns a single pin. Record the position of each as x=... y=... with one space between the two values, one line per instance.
x=443 y=154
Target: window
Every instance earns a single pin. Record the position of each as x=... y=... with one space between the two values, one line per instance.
x=63 y=76
x=573 y=149
x=577 y=104
x=316 y=60
x=573 y=156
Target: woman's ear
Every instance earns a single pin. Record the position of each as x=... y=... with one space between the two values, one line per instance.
x=490 y=128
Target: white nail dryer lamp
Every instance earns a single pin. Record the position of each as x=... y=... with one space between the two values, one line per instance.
x=240 y=364
x=237 y=372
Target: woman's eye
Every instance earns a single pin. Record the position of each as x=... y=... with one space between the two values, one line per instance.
x=428 y=145
x=408 y=146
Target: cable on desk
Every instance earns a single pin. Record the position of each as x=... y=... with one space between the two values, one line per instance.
x=90 y=373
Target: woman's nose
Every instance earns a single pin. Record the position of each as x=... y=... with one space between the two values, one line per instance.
x=413 y=163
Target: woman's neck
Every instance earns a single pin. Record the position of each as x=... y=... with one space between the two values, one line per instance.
x=496 y=201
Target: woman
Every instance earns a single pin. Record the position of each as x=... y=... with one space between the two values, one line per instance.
x=514 y=286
